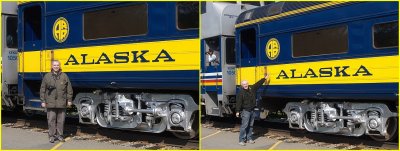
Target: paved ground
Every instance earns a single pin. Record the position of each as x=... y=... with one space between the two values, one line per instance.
x=16 y=138
x=217 y=139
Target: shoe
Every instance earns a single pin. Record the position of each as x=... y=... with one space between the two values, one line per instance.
x=251 y=142
x=242 y=144
x=61 y=139
x=51 y=139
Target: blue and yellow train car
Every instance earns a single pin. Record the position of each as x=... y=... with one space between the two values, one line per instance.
x=132 y=65
x=333 y=65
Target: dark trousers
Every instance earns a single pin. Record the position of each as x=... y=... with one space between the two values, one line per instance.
x=55 y=120
x=246 y=129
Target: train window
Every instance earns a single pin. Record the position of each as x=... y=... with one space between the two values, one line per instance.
x=203 y=7
x=386 y=35
x=32 y=24
x=188 y=15
x=230 y=51
x=212 y=51
x=319 y=42
x=231 y=2
x=11 y=34
x=116 y=22
x=255 y=3
x=248 y=43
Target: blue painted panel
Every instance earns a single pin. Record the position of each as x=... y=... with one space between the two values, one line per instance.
x=156 y=80
x=378 y=91
x=217 y=89
x=162 y=23
x=152 y=80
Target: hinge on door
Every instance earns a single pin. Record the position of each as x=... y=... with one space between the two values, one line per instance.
x=52 y=55
x=41 y=64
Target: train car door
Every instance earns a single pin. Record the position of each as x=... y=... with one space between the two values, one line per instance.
x=247 y=55
x=31 y=50
x=212 y=75
x=228 y=68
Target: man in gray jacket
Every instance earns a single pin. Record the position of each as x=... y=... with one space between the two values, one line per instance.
x=56 y=94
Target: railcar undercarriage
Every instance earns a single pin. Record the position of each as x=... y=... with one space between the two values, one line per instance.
x=345 y=118
x=146 y=112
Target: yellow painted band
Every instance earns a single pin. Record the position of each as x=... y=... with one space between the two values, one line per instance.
x=383 y=69
x=297 y=11
x=145 y=56
x=212 y=84
x=23 y=2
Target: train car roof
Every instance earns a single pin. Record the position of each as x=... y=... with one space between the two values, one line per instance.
x=218 y=18
x=9 y=8
x=280 y=10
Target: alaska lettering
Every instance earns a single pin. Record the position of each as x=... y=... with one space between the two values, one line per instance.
x=339 y=71
x=121 y=57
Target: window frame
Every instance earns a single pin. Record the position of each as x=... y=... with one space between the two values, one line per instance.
x=6 y=33
x=336 y=26
x=241 y=46
x=206 y=47
x=176 y=16
x=203 y=11
x=234 y=50
x=83 y=23
x=373 y=35
x=42 y=22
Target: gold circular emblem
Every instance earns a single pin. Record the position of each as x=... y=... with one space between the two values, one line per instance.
x=60 y=30
x=272 y=48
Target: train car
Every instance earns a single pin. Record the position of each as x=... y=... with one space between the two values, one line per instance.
x=218 y=35
x=333 y=65
x=132 y=65
x=9 y=56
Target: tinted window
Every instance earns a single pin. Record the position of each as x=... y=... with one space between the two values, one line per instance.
x=203 y=7
x=386 y=35
x=230 y=50
x=320 y=42
x=248 y=43
x=116 y=22
x=252 y=3
x=32 y=24
x=11 y=35
x=212 y=51
x=188 y=15
x=232 y=2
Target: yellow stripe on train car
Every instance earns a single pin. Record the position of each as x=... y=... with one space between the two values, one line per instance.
x=23 y=2
x=211 y=84
x=293 y=12
x=145 y=56
x=383 y=69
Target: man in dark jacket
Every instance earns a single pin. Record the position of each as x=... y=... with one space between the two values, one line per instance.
x=245 y=104
x=56 y=94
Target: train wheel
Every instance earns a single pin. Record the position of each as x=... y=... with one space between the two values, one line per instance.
x=29 y=113
x=100 y=118
x=194 y=122
x=391 y=128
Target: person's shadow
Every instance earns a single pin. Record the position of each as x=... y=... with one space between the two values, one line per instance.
x=233 y=124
